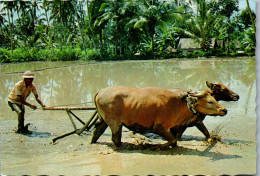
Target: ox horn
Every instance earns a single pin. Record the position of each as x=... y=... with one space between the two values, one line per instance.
x=198 y=94
x=210 y=85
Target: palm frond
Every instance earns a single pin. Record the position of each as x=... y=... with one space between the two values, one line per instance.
x=140 y=22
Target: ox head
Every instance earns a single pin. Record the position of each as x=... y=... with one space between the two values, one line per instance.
x=221 y=92
x=203 y=103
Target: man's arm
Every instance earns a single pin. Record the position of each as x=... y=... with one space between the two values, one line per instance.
x=25 y=102
x=38 y=100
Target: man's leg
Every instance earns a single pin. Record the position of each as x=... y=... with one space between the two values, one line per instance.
x=20 y=110
x=21 y=118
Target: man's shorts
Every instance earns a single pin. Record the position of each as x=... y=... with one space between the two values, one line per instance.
x=16 y=107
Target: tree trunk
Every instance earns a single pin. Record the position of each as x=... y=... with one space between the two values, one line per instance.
x=11 y=32
x=153 y=45
x=80 y=28
x=101 y=42
x=91 y=35
x=251 y=16
x=61 y=33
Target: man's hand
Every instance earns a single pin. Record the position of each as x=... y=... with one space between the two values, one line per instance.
x=33 y=107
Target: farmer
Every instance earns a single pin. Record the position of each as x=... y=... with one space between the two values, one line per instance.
x=17 y=99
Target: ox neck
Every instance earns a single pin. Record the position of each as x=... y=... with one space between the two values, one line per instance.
x=214 y=95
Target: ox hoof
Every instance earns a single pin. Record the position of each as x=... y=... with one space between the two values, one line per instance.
x=118 y=145
x=214 y=138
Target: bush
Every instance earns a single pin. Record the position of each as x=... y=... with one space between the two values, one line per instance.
x=5 y=55
x=66 y=54
x=45 y=55
x=56 y=54
x=76 y=53
x=193 y=54
x=92 y=55
x=19 y=55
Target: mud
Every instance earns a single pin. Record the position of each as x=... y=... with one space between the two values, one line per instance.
x=75 y=84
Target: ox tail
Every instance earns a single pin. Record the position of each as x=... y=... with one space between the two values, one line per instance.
x=95 y=101
x=100 y=126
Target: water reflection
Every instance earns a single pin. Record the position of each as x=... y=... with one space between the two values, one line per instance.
x=79 y=83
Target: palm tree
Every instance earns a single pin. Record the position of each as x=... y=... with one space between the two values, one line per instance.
x=251 y=16
x=3 y=33
x=152 y=14
x=92 y=9
x=21 y=9
x=46 y=7
x=63 y=16
x=56 y=17
x=201 y=24
x=111 y=17
x=9 y=7
x=80 y=21
x=24 y=20
x=35 y=22
x=226 y=8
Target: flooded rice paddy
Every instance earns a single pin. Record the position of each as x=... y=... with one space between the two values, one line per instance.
x=74 y=84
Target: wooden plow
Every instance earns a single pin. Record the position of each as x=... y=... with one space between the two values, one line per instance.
x=86 y=126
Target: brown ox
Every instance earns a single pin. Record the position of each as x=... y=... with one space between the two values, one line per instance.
x=156 y=110
x=220 y=92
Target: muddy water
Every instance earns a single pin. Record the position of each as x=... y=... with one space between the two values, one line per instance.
x=75 y=83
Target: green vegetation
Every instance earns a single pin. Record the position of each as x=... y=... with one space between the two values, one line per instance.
x=122 y=29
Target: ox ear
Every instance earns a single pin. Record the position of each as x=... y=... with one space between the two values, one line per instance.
x=198 y=93
x=213 y=86
x=210 y=85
